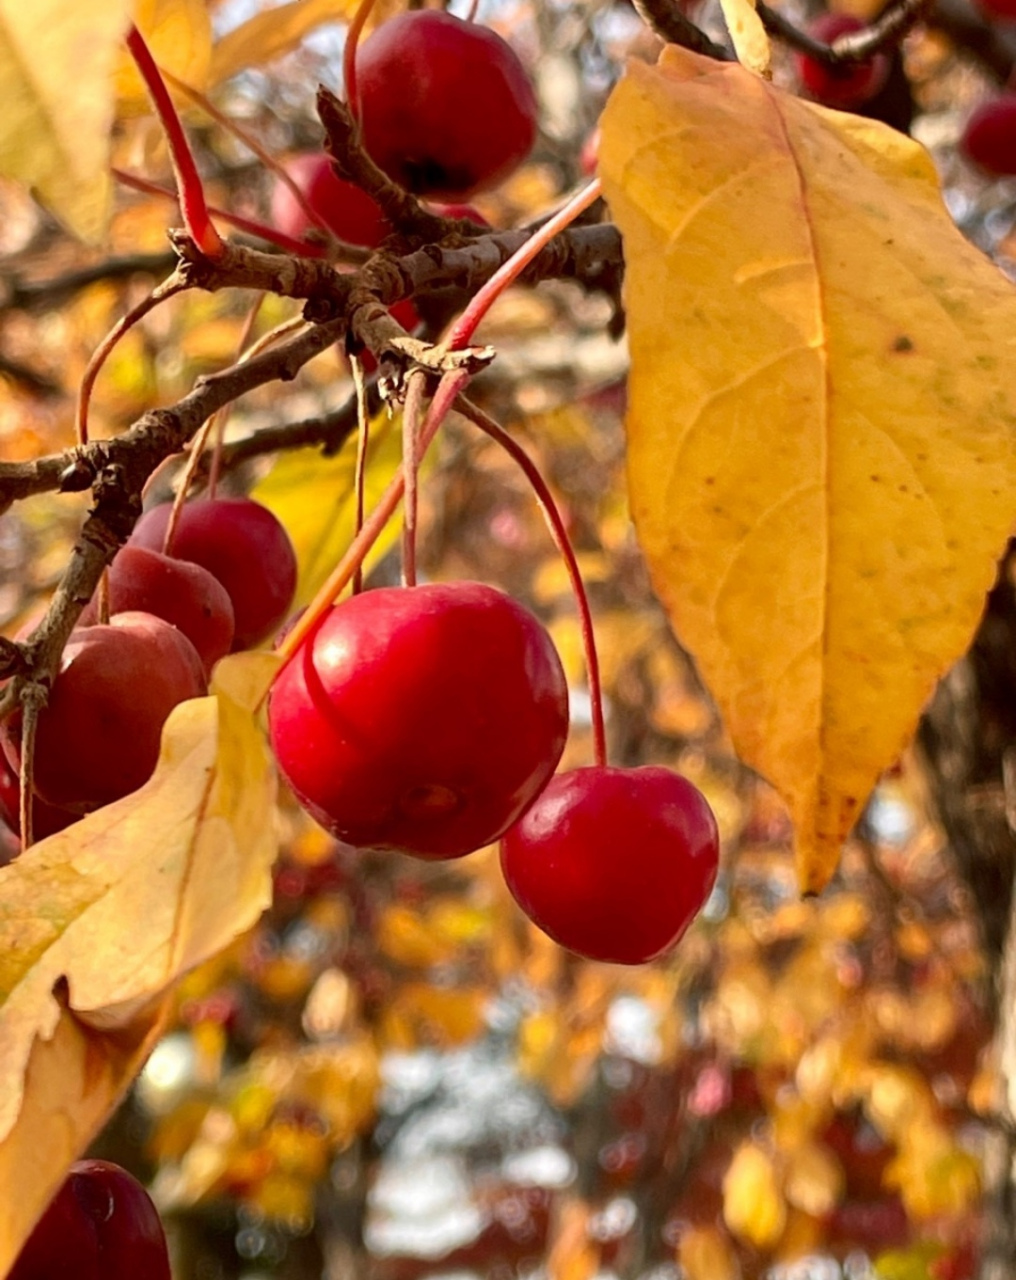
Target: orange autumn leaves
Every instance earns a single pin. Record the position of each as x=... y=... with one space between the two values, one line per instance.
x=820 y=429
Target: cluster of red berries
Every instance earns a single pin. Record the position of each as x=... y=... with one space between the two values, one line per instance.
x=227 y=586
x=100 y=1225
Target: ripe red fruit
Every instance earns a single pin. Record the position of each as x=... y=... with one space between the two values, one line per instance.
x=349 y=212
x=851 y=83
x=997 y=10
x=989 y=138
x=185 y=594
x=100 y=1225
x=241 y=543
x=614 y=864
x=446 y=107
x=98 y=736
x=46 y=820
x=424 y=718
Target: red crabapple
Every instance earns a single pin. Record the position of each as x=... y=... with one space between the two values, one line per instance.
x=100 y=1225
x=446 y=107
x=192 y=599
x=614 y=864
x=98 y=735
x=850 y=83
x=346 y=210
x=241 y=543
x=423 y=718
x=989 y=138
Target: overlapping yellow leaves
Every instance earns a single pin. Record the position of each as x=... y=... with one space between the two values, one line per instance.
x=822 y=404
x=97 y=922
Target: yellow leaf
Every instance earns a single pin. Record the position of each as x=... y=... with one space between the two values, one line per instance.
x=56 y=59
x=934 y=1176
x=814 y=1179
x=753 y=1204
x=705 y=1253
x=98 y=921
x=748 y=35
x=821 y=421
x=313 y=497
x=271 y=33
x=179 y=34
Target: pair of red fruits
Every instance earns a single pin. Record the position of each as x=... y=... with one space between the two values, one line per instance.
x=430 y=720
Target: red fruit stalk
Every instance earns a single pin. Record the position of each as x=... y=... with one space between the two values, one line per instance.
x=191 y=193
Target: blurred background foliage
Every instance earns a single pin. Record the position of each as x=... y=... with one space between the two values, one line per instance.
x=394 y=1076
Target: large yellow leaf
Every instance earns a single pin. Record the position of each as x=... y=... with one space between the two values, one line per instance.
x=97 y=922
x=56 y=63
x=821 y=423
x=313 y=496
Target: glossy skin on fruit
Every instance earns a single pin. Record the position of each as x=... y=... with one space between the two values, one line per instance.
x=241 y=543
x=98 y=735
x=424 y=719
x=185 y=594
x=850 y=84
x=614 y=864
x=349 y=212
x=446 y=107
x=100 y=1225
x=46 y=820
x=989 y=138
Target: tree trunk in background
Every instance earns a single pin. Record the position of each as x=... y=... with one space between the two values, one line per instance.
x=968 y=739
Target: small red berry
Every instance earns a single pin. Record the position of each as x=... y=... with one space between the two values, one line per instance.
x=100 y=1225
x=346 y=210
x=185 y=594
x=241 y=543
x=614 y=864
x=997 y=10
x=850 y=83
x=424 y=719
x=989 y=138
x=446 y=107
x=98 y=735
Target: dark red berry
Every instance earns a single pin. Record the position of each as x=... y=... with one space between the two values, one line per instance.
x=100 y=1225
x=989 y=138
x=850 y=83
x=446 y=107
x=614 y=864
x=241 y=543
x=424 y=719
x=98 y=735
x=192 y=599
x=346 y=210
x=46 y=819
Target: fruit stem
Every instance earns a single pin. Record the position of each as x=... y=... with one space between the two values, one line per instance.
x=253 y=228
x=190 y=191
x=193 y=459
x=103 y=597
x=171 y=285
x=411 y=410
x=559 y=533
x=221 y=416
x=462 y=331
x=448 y=388
x=32 y=700
x=349 y=56
x=362 y=445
